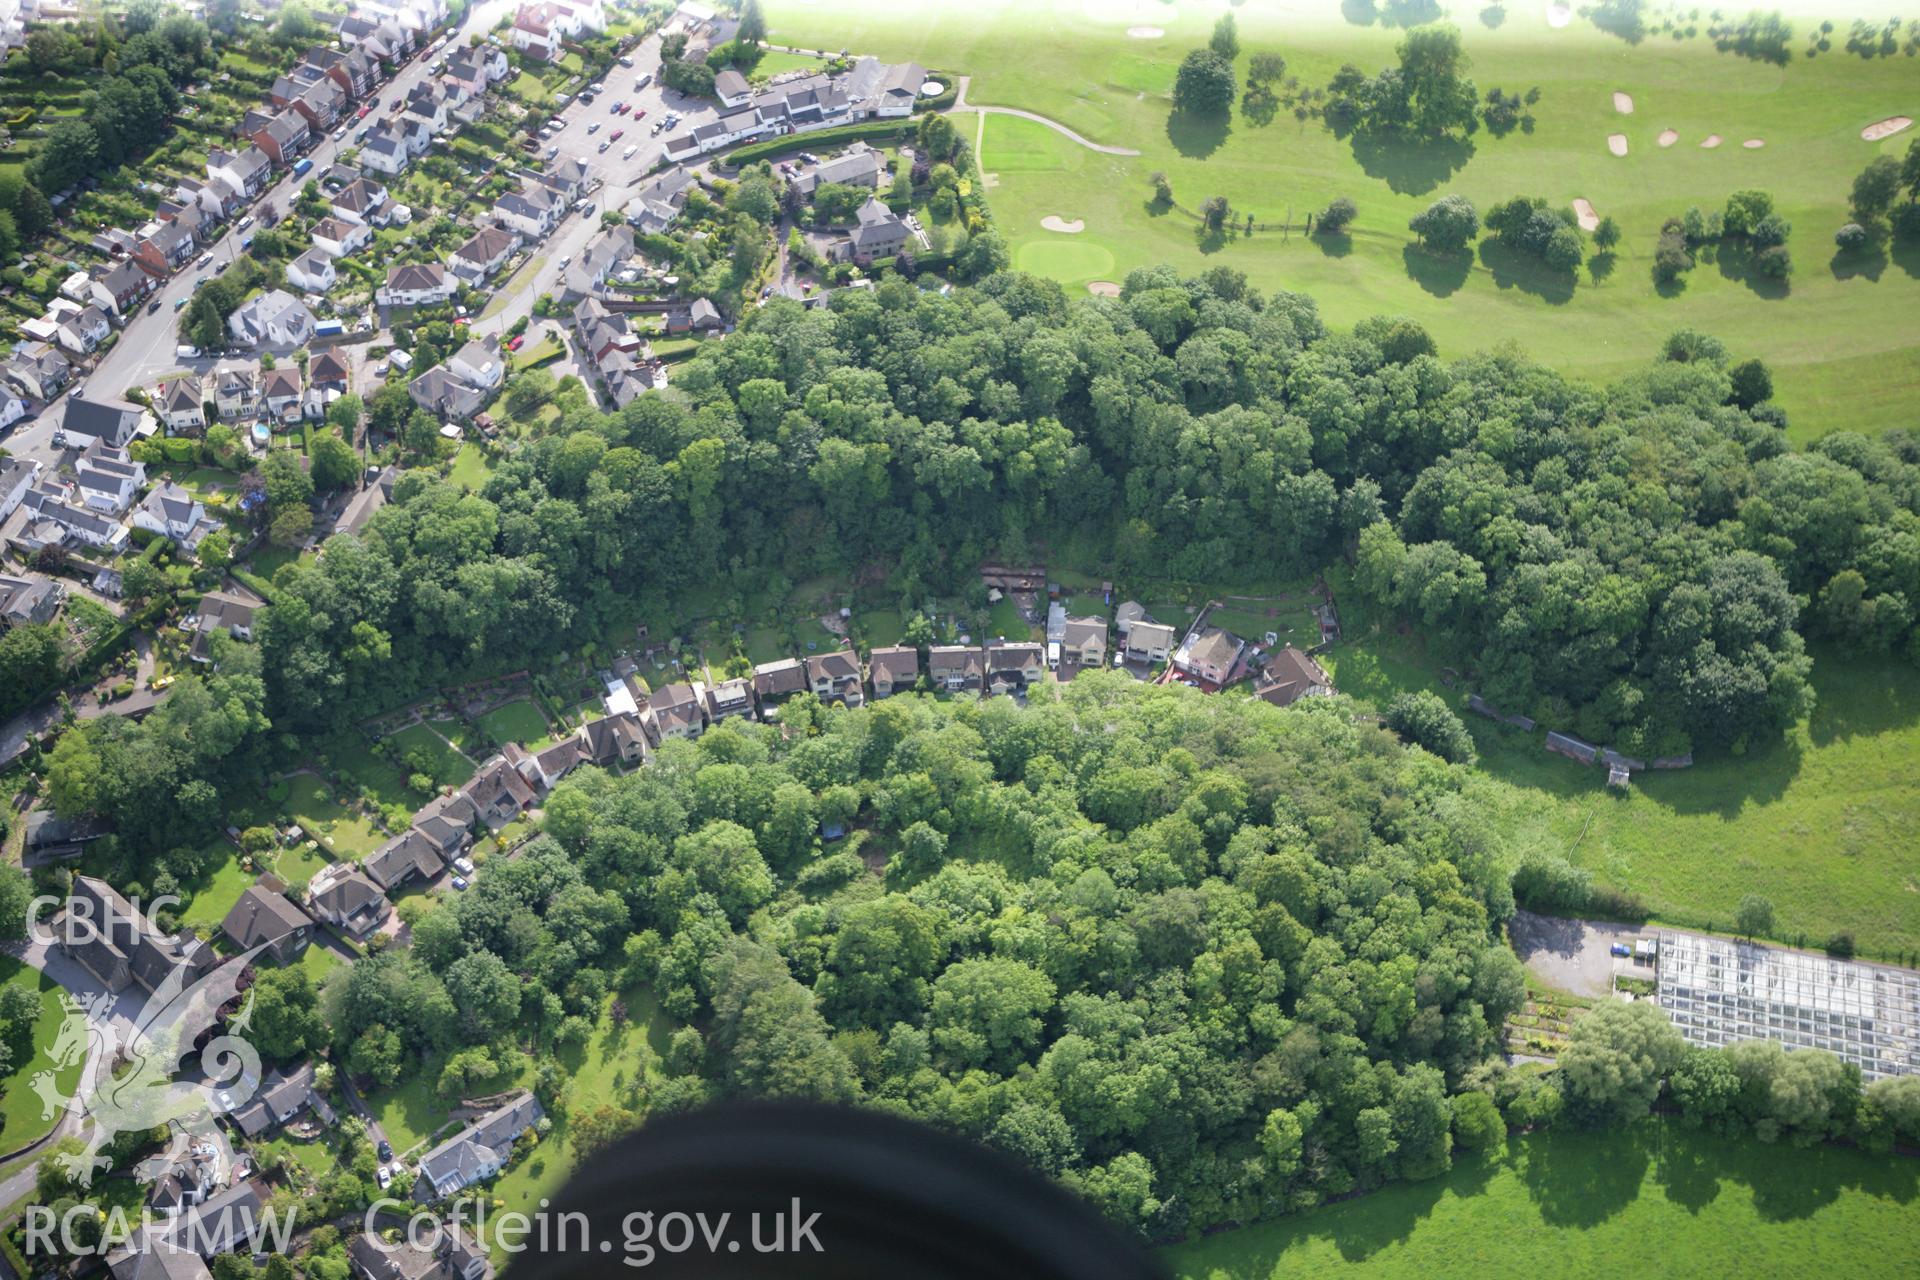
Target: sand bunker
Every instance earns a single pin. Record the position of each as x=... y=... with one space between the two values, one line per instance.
x=1711 y=141
x=1053 y=223
x=1104 y=289
x=1617 y=143
x=1754 y=144
x=1886 y=128
x=1559 y=15
x=1589 y=220
x=1622 y=103
x=1145 y=33
x=1668 y=137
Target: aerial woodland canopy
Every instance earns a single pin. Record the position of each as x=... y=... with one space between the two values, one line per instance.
x=1638 y=562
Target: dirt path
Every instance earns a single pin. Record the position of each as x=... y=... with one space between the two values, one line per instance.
x=960 y=104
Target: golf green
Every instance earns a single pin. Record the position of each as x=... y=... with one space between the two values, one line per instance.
x=1072 y=261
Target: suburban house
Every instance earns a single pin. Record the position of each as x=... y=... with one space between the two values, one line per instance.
x=438 y=391
x=362 y=200
x=544 y=770
x=660 y=201
x=499 y=793
x=181 y=406
x=1014 y=665
x=731 y=88
x=120 y=288
x=878 y=233
x=415 y=284
x=285 y=136
x=282 y=1096
x=619 y=738
x=1084 y=641
x=39 y=371
x=955 y=667
x=118 y=945
x=679 y=710
x=106 y=479
x=730 y=698
x=185 y=1183
x=275 y=318
x=482 y=255
x=1149 y=642
x=1289 y=676
x=881 y=89
x=282 y=392
x=268 y=919
x=246 y=170
x=484 y=60
x=428 y=104
x=336 y=237
x=343 y=896
x=858 y=166
x=478 y=364
x=164 y=249
x=400 y=859
x=385 y=151
x=1210 y=655
x=477 y=1152
x=610 y=249
x=236 y=390
x=12 y=407
x=533 y=33
x=45 y=519
x=16 y=478
x=892 y=669
x=373 y=495
x=835 y=676
x=313 y=271
x=532 y=211
x=701 y=314
x=447 y=823
x=229 y=611
x=28 y=600
x=779 y=679
x=179 y=1249
x=328 y=378
x=173 y=512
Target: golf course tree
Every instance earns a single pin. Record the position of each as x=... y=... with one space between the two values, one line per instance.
x=1448 y=224
x=1750 y=224
x=1204 y=85
x=1526 y=224
x=1427 y=95
x=1225 y=40
x=1214 y=212
x=1335 y=218
x=1672 y=253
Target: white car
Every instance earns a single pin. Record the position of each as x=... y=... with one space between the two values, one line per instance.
x=386 y=1178
x=463 y=865
x=594 y=127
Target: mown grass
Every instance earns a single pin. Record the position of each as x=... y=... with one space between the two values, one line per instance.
x=1841 y=356
x=518 y=721
x=1820 y=822
x=1655 y=1200
x=450 y=767
x=20 y=1119
x=344 y=834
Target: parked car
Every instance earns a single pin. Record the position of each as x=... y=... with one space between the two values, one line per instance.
x=186 y=351
x=1621 y=949
x=153 y=306
x=616 y=135
x=245 y=222
x=460 y=882
x=514 y=343
x=604 y=144
x=385 y=1149
x=394 y=105
x=626 y=62
x=639 y=115
x=206 y=260
x=464 y=865
x=179 y=303
x=386 y=1179
x=616 y=108
x=593 y=128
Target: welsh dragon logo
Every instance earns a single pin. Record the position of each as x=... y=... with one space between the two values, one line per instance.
x=141 y=1080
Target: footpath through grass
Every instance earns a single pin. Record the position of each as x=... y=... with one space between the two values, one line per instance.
x=1656 y=1200
x=1836 y=336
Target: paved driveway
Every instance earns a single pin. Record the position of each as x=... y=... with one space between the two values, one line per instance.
x=1573 y=955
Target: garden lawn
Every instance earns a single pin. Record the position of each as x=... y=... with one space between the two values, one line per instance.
x=1004 y=619
x=384 y=782
x=410 y=1112
x=471 y=468
x=341 y=833
x=1842 y=355
x=775 y=62
x=211 y=901
x=518 y=721
x=450 y=767
x=1654 y=1200
x=881 y=626
x=1821 y=822
x=20 y=1121
x=765 y=644
x=295 y=866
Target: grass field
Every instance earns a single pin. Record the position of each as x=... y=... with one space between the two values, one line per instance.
x=515 y=722
x=343 y=834
x=1821 y=822
x=20 y=1121
x=1840 y=355
x=1657 y=1200
x=211 y=901
x=470 y=467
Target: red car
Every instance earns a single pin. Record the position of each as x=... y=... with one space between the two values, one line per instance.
x=362 y=113
x=639 y=115
x=513 y=343
x=621 y=109
x=615 y=135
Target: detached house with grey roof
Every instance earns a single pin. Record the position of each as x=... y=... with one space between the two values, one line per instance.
x=477 y=1152
x=267 y=919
